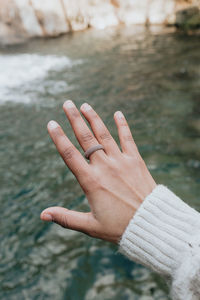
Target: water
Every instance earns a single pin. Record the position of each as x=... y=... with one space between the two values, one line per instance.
x=21 y=74
x=153 y=77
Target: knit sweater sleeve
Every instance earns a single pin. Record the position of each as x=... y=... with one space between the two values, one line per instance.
x=164 y=235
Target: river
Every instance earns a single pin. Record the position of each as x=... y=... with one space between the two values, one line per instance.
x=153 y=76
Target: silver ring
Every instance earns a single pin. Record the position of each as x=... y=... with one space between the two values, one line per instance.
x=92 y=149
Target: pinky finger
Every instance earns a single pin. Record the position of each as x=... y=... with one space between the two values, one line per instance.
x=126 y=139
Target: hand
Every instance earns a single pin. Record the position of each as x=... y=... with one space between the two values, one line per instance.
x=115 y=182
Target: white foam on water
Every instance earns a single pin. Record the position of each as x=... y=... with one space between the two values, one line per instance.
x=21 y=74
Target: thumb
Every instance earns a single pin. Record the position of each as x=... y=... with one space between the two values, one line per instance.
x=79 y=221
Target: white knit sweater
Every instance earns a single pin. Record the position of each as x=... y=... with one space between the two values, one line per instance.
x=164 y=235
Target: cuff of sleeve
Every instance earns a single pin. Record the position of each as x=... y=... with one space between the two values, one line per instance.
x=161 y=232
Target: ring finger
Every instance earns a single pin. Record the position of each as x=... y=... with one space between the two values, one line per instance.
x=100 y=130
x=83 y=134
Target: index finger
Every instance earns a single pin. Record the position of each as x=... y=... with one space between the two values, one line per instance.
x=71 y=156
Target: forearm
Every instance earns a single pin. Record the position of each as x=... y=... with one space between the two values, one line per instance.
x=164 y=235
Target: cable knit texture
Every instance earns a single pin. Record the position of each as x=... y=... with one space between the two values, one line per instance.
x=164 y=235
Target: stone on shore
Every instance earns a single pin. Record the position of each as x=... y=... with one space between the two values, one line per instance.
x=20 y=19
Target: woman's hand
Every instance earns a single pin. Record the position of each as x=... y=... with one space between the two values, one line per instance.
x=115 y=182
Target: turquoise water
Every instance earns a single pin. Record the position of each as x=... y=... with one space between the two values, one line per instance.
x=153 y=76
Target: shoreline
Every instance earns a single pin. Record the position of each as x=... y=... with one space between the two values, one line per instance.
x=19 y=22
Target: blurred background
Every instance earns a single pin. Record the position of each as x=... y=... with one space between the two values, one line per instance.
x=140 y=57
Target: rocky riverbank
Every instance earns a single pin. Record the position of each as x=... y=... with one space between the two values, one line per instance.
x=21 y=19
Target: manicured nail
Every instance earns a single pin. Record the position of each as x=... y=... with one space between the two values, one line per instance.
x=69 y=104
x=119 y=115
x=52 y=125
x=47 y=217
x=86 y=107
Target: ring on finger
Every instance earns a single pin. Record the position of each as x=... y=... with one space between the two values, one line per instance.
x=93 y=149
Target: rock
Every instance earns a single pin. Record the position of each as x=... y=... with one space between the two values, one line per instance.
x=76 y=14
x=50 y=16
x=188 y=18
x=32 y=18
x=145 y=11
x=10 y=19
x=102 y=14
x=161 y=12
x=28 y=19
x=132 y=12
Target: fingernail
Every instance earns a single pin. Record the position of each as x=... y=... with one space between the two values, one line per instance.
x=69 y=104
x=52 y=125
x=47 y=217
x=119 y=115
x=86 y=107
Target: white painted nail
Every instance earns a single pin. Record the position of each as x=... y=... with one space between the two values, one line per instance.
x=119 y=115
x=86 y=107
x=52 y=125
x=69 y=104
x=47 y=217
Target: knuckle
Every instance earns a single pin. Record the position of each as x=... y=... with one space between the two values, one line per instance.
x=94 y=117
x=138 y=162
x=92 y=183
x=124 y=124
x=68 y=153
x=105 y=136
x=61 y=220
x=58 y=132
x=96 y=184
x=65 y=222
x=90 y=229
x=114 y=169
x=128 y=138
x=86 y=137
x=75 y=114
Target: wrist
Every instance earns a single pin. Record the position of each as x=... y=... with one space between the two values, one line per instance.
x=161 y=231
